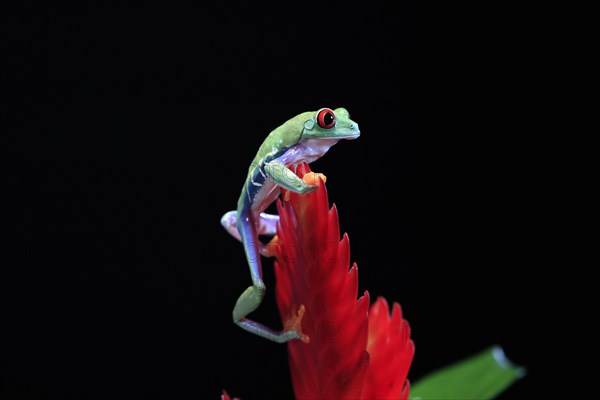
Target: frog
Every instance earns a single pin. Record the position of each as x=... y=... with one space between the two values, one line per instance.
x=303 y=138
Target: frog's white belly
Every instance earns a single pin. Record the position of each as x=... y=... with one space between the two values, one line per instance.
x=308 y=150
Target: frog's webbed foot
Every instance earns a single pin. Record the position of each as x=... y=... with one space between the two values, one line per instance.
x=293 y=323
x=287 y=179
x=311 y=180
x=249 y=301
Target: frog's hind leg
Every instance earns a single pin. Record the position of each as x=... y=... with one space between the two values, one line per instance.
x=229 y=222
x=267 y=225
x=253 y=296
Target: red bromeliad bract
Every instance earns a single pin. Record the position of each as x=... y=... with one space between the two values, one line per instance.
x=225 y=396
x=391 y=351
x=353 y=351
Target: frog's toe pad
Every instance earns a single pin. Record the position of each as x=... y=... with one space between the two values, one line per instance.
x=312 y=178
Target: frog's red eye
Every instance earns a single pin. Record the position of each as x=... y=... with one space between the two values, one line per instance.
x=326 y=118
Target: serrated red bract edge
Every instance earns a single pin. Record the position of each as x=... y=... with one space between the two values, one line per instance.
x=391 y=351
x=312 y=269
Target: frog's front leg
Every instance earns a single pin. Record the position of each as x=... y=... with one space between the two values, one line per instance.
x=286 y=178
x=253 y=296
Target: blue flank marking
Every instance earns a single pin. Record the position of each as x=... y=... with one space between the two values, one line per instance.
x=251 y=190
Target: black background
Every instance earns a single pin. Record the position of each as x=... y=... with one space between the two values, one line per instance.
x=133 y=130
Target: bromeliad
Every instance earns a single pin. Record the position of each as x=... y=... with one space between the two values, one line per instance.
x=302 y=139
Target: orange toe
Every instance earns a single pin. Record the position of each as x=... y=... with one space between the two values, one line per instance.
x=312 y=178
x=294 y=323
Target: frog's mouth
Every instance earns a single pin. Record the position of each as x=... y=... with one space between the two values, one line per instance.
x=350 y=136
x=336 y=138
x=353 y=132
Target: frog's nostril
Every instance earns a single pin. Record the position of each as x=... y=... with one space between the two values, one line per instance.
x=351 y=126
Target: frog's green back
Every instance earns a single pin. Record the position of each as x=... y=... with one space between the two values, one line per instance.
x=280 y=139
x=275 y=144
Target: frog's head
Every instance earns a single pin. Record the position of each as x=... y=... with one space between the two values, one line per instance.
x=330 y=124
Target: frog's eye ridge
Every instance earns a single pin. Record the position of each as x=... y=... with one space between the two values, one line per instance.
x=326 y=118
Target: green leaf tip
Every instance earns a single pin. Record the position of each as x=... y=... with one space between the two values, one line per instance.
x=479 y=377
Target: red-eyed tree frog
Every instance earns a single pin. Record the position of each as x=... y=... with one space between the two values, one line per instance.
x=303 y=138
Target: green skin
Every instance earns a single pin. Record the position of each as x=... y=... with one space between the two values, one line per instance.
x=304 y=138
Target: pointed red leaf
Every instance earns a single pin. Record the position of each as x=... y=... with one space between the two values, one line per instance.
x=391 y=351
x=313 y=269
x=354 y=352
